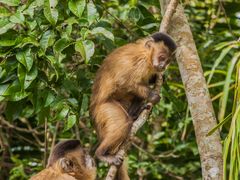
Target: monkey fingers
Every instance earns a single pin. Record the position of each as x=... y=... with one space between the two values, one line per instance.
x=65 y=164
x=118 y=160
x=112 y=159
x=153 y=97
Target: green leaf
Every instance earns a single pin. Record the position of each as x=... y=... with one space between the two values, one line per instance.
x=52 y=61
x=134 y=14
x=77 y=7
x=5 y=25
x=4 y=12
x=50 y=98
x=19 y=96
x=218 y=61
x=26 y=58
x=18 y=17
x=92 y=13
x=21 y=74
x=63 y=113
x=219 y=125
x=86 y=49
x=60 y=45
x=13 y=88
x=8 y=39
x=30 y=77
x=103 y=31
x=50 y=11
x=70 y=122
x=133 y=2
x=80 y=48
x=27 y=40
x=224 y=99
x=10 y=2
x=47 y=39
x=3 y=88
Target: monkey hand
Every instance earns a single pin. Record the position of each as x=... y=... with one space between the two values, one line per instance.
x=117 y=160
x=153 y=97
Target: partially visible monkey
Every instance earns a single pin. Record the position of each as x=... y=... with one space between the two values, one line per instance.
x=120 y=87
x=68 y=161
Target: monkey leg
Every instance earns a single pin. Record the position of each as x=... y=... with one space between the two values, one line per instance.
x=113 y=126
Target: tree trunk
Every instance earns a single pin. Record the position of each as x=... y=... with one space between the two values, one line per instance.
x=210 y=148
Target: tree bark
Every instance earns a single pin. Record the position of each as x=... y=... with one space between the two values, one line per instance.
x=210 y=148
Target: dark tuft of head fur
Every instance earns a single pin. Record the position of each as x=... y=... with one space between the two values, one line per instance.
x=168 y=41
x=61 y=149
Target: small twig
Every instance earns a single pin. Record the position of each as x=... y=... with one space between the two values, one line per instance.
x=18 y=128
x=226 y=17
x=45 y=143
x=34 y=132
x=166 y=154
x=77 y=133
x=171 y=8
x=54 y=136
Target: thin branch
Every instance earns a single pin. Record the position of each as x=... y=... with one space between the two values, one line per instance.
x=45 y=142
x=54 y=136
x=4 y=122
x=226 y=17
x=145 y=113
x=171 y=8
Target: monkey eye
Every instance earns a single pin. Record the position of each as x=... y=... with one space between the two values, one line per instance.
x=162 y=57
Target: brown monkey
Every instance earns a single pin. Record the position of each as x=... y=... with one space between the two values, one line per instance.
x=120 y=87
x=68 y=161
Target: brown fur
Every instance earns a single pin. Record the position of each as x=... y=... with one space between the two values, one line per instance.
x=123 y=77
x=68 y=164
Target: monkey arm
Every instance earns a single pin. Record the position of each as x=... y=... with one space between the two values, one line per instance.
x=145 y=93
x=140 y=90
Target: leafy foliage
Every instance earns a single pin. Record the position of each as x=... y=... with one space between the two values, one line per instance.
x=50 y=51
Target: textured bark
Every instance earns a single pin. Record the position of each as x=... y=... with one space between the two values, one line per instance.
x=210 y=148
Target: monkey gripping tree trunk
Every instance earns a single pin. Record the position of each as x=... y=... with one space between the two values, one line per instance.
x=210 y=148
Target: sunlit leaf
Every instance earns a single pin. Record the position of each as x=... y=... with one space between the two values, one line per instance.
x=60 y=45
x=30 y=77
x=4 y=12
x=49 y=99
x=10 y=2
x=26 y=58
x=86 y=49
x=92 y=13
x=103 y=31
x=224 y=99
x=50 y=11
x=5 y=25
x=18 y=17
x=70 y=122
x=47 y=39
x=77 y=7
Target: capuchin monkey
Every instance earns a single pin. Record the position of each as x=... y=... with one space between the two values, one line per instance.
x=120 y=89
x=68 y=161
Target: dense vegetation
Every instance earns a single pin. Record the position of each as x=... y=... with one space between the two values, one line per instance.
x=50 y=51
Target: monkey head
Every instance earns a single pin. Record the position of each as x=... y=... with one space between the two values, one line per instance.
x=161 y=46
x=68 y=157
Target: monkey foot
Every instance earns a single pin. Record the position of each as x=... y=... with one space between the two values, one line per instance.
x=118 y=159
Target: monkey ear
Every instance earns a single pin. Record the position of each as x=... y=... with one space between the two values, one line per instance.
x=66 y=165
x=148 y=43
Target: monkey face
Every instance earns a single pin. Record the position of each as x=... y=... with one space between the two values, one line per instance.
x=160 y=54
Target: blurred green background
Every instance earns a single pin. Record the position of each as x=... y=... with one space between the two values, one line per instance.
x=49 y=53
